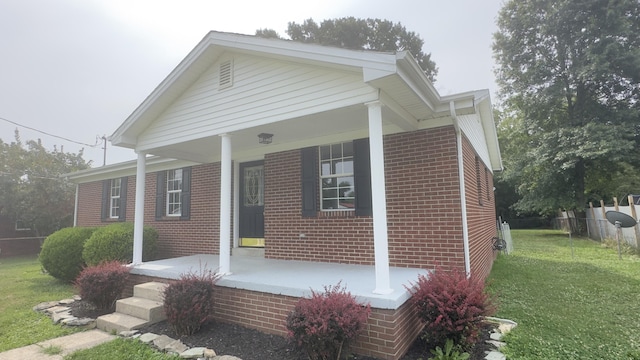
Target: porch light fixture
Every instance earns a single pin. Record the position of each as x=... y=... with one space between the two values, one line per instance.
x=264 y=138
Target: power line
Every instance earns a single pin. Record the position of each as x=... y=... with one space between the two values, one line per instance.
x=49 y=134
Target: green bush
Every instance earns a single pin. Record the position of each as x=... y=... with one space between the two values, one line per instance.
x=61 y=253
x=115 y=242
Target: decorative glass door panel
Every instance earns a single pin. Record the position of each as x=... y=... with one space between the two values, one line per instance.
x=252 y=204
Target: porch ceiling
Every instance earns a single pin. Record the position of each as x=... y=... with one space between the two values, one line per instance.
x=321 y=128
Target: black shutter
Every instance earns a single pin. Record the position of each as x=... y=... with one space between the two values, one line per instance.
x=123 y=199
x=185 y=194
x=161 y=185
x=309 y=159
x=362 y=177
x=106 y=188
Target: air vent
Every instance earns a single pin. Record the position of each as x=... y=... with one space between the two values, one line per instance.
x=226 y=74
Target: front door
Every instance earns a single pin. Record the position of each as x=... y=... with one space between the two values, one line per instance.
x=252 y=204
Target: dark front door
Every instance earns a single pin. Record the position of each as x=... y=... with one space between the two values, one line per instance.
x=252 y=203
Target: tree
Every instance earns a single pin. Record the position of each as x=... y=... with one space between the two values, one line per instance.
x=569 y=71
x=32 y=190
x=360 y=34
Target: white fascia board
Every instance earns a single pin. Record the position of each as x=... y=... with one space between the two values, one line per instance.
x=127 y=168
x=485 y=110
x=310 y=52
x=411 y=73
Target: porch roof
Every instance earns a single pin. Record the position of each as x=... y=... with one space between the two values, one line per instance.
x=290 y=278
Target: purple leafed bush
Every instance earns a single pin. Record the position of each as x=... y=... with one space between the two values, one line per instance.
x=102 y=285
x=326 y=324
x=452 y=306
x=189 y=302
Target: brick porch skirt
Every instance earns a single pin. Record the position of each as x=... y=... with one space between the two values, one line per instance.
x=388 y=334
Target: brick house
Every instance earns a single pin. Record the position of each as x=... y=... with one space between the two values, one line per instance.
x=300 y=154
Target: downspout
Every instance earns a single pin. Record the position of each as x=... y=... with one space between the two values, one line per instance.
x=75 y=208
x=463 y=195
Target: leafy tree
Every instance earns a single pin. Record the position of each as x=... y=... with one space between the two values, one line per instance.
x=31 y=188
x=360 y=34
x=569 y=72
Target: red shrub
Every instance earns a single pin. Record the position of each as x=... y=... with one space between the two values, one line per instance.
x=451 y=305
x=102 y=284
x=325 y=325
x=188 y=302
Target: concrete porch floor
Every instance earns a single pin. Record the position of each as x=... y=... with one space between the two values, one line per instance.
x=291 y=278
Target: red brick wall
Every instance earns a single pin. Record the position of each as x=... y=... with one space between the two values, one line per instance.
x=176 y=237
x=424 y=217
x=423 y=208
x=480 y=211
x=388 y=334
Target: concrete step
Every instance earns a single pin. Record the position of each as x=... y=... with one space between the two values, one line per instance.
x=117 y=322
x=148 y=310
x=151 y=290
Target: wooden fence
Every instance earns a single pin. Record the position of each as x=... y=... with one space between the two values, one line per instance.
x=20 y=246
x=599 y=228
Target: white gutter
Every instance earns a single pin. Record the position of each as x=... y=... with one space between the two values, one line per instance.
x=463 y=197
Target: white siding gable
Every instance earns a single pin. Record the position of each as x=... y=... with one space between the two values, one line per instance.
x=263 y=91
x=471 y=126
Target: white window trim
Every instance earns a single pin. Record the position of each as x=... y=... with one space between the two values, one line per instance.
x=113 y=197
x=351 y=174
x=171 y=192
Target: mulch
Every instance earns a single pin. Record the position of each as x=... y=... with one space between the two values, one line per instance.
x=250 y=344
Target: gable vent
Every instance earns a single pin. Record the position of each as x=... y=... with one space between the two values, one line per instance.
x=226 y=74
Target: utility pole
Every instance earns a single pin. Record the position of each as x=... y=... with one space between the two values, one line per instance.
x=104 y=156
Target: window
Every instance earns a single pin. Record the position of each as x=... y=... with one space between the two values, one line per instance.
x=174 y=192
x=114 y=198
x=336 y=177
x=22 y=226
x=486 y=181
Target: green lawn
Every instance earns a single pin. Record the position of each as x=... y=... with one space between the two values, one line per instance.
x=585 y=307
x=121 y=349
x=22 y=286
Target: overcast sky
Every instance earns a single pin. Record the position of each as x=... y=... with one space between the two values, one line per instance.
x=78 y=68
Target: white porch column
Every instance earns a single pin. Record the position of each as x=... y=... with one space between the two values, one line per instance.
x=138 y=224
x=225 y=204
x=379 y=200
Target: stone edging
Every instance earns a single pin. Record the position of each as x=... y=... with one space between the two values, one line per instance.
x=60 y=313
x=504 y=326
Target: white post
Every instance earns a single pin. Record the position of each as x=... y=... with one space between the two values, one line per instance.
x=379 y=200
x=138 y=224
x=225 y=204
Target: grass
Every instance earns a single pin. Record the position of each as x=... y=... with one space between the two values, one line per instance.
x=583 y=306
x=22 y=286
x=121 y=349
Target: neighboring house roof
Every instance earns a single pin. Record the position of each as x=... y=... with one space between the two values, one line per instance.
x=300 y=92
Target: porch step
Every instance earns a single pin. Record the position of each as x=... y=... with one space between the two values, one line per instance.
x=149 y=310
x=143 y=308
x=151 y=290
x=117 y=322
